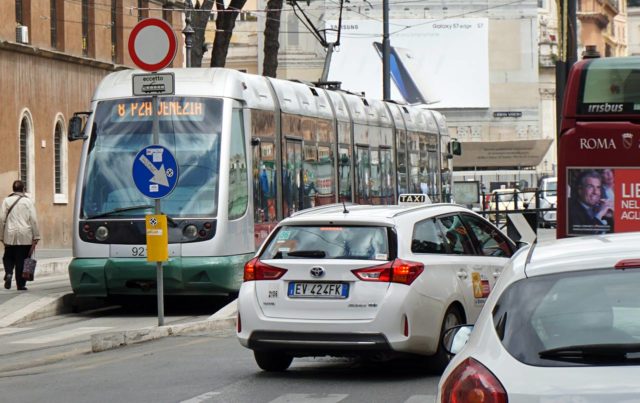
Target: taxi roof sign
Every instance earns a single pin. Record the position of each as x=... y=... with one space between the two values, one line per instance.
x=413 y=198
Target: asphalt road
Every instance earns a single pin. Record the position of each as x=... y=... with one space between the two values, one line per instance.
x=212 y=368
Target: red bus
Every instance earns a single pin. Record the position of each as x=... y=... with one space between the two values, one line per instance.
x=599 y=148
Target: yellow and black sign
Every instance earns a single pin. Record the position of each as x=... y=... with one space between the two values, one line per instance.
x=157 y=238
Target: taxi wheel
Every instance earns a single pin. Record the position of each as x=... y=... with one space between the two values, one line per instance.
x=439 y=360
x=271 y=361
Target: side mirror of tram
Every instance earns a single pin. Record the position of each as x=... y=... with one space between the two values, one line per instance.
x=455 y=148
x=76 y=126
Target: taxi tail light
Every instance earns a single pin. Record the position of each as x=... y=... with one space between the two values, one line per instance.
x=396 y=271
x=628 y=264
x=254 y=269
x=239 y=324
x=472 y=382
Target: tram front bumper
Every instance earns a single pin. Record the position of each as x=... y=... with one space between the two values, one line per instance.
x=101 y=277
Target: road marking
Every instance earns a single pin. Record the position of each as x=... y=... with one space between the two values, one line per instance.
x=421 y=399
x=309 y=398
x=201 y=398
x=11 y=330
x=66 y=334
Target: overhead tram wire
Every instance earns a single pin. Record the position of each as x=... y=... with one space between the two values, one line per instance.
x=103 y=6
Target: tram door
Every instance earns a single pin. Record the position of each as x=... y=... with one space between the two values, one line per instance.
x=363 y=175
x=292 y=178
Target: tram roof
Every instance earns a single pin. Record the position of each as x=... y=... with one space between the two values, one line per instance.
x=292 y=97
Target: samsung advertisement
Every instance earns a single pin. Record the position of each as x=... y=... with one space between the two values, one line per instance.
x=441 y=63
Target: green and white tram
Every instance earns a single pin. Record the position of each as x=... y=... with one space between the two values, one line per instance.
x=250 y=150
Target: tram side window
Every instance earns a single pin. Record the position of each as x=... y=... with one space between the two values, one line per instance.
x=375 y=177
x=413 y=143
x=264 y=168
x=238 y=183
x=362 y=175
x=344 y=162
x=386 y=169
x=401 y=144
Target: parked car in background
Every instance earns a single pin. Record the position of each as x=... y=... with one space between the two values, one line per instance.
x=548 y=194
x=563 y=322
x=372 y=281
x=504 y=200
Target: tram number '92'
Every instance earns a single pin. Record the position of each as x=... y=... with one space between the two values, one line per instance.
x=139 y=251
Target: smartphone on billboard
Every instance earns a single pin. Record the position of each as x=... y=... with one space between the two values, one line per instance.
x=400 y=68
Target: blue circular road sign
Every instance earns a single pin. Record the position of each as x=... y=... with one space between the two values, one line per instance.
x=155 y=171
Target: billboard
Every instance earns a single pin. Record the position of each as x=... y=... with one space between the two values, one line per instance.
x=442 y=63
x=603 y=200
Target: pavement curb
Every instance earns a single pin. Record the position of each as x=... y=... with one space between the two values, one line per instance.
x=27 y=307
x=223 y=320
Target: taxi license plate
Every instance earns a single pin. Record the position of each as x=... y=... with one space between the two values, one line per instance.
x=318 y=290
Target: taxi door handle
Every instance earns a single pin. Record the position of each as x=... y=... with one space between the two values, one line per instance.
x=496 y=274
x=462 y=274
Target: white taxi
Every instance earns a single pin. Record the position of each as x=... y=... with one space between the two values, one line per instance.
x=562 y=325
x=374 y=281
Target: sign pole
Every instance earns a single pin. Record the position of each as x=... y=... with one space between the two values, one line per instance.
x=158 y=211
x=146 y=37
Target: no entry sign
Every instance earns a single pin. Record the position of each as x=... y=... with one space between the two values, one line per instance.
x=152 y=44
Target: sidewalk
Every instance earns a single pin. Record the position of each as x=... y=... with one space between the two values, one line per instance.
x=51 y=294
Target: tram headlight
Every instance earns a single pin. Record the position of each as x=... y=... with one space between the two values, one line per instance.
x=102 y=233
x=190 y=231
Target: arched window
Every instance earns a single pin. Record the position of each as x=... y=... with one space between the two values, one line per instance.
x=24 y=150
x=26 y=163
x=60 y=177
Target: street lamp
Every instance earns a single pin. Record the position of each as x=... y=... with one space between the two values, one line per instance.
x=188 y=32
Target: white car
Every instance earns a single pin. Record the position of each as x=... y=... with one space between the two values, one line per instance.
x=562 y=325
x=367 y=281
x=548 y=200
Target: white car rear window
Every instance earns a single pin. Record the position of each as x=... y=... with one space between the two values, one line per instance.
x=548 y=320
x=329 y=242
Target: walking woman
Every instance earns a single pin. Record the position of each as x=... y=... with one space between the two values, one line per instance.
x=18 y=232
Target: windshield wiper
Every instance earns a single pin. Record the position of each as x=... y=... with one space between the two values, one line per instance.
x=120 y=210
x=307 y=253
x=592 y=352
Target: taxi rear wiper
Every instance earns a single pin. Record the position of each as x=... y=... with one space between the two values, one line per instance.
x=307 y=253
x=593 y=352
x=120 y=210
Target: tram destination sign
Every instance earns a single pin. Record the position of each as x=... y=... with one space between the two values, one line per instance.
x=153 y=84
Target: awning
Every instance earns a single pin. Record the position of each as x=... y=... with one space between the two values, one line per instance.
x=521 y=153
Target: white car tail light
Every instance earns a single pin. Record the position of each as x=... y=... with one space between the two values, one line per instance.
x=472 y=382
x=396 y=271
x=254 y=269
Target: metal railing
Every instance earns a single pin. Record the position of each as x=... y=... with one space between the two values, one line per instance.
x=496 y=205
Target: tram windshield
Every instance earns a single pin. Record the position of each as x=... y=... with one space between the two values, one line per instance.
x=189 y=127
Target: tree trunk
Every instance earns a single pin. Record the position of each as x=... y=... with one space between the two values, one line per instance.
x=225 y=22
x=199 y=20
x=271 y=41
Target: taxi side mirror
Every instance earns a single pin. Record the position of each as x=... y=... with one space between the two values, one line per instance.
x=455 y=338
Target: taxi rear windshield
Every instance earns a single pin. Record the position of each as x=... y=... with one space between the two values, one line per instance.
x=581 y=318
x=329 y=242
x=610 y=86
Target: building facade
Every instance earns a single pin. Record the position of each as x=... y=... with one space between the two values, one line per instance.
x=53 y=53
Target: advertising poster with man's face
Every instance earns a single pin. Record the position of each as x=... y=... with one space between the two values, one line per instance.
x=603 y=200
